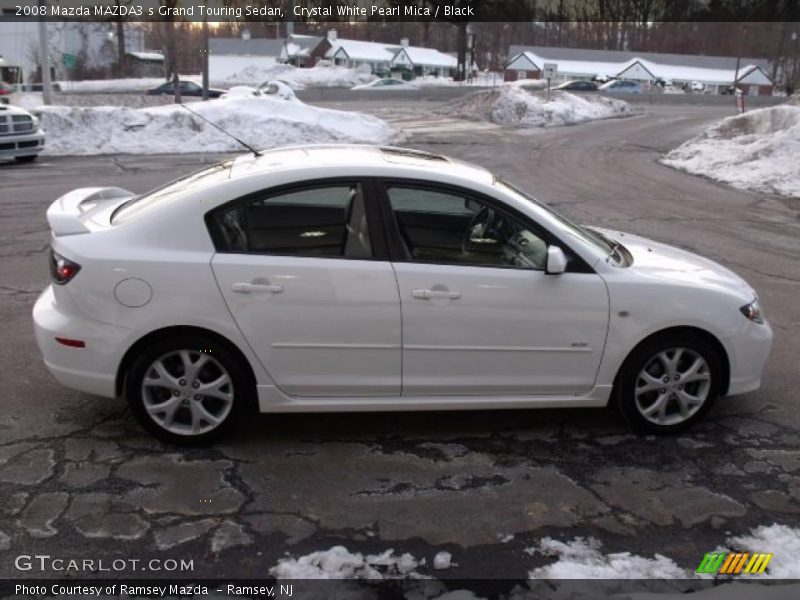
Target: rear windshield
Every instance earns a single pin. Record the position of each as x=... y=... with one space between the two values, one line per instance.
x=146 y=202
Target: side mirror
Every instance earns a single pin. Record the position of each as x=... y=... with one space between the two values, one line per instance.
x=556 y=261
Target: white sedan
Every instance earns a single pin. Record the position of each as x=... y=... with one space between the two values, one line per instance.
x=382 y=85
x=362 y=278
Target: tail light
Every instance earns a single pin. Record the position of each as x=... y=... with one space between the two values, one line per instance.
x=62 y=269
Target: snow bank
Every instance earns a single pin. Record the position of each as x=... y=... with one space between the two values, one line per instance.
x=263 y=122
x=757 y=150
x=780 y=540
x=300 y=78
x=339 y=563
x=514 y=107
x=128 y=84
x=582 y=559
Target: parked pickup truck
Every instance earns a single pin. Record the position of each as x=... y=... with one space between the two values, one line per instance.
x=20 y=135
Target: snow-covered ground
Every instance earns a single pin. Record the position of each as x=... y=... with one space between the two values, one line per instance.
x=512 y=106
x=339 y=563
x=758 y=150
x=299 y=78
x=262 y=122
x=130 y=84
x=488 y=79
x=581 y=559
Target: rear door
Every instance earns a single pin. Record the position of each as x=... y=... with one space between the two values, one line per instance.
x=306 y=278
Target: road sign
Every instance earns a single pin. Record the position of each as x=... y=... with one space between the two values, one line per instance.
x=549 y=70
x=70 y=60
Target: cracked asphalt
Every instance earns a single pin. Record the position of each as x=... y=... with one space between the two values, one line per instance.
x=79 y=478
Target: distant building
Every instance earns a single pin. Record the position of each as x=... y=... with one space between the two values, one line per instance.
x=94 y=45
x=426 y=61
x=230 y=56
x=380 y=56
x=716 y=73
x=297 y=50
x=145 y=64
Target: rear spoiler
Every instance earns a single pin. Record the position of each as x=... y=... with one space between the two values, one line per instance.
x=68 y=215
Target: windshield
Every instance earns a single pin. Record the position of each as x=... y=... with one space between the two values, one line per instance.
x=140 y=204
x=606 y=246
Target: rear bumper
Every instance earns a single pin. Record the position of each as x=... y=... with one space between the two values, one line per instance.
x=92 y=369
x=12 y=146
x=747 y=354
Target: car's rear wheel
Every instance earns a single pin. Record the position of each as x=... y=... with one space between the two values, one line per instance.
x=187 y=389
x=27 y=159
x=668 y=383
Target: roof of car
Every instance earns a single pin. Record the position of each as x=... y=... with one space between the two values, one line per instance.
x=349 y=155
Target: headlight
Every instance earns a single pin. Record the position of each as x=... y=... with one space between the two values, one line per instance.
x=752 y=311
x=36 y=122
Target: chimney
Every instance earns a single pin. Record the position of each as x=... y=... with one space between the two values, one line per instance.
x=332 y=35
x=404 y=42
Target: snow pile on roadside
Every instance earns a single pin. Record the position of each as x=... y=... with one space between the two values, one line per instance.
x=128 y=84
x=582 y=559
x=782 y=541
x=263 y=122
x=339 y=563
x=514 y=107
x=299 y=78
x=488 y=79
x=757 y=150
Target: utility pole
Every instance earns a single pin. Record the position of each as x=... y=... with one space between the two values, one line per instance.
x=205 y=57
x=290 y=19
x=44 y=57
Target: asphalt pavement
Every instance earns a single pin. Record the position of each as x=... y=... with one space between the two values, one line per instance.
x=78 y=476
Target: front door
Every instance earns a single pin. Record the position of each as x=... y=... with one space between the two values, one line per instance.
x=303 y=284
x=480 y=315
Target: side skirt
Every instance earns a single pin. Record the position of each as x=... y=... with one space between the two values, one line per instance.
x=272 y=400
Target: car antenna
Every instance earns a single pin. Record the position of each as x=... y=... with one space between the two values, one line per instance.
x=230 y=135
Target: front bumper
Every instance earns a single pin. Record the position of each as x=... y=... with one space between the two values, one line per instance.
x=15 y=145
x=91 y=369
x=747 y=353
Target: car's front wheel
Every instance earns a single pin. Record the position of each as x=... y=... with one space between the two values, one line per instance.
x=668 y=383
x=187 y=389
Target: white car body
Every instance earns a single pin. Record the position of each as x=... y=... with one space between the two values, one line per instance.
x=353 y=335
x=385 y=84
x=20 y=134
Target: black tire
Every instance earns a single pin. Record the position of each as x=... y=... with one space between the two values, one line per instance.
x=626 y=384
x=27 y=159
x=241 y=388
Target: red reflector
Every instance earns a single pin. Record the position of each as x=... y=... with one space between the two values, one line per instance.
x=71 y=343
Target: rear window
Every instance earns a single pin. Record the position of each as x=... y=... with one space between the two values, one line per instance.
x=160 y=196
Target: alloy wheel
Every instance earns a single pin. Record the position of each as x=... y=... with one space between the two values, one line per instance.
x=187 y=392
x=673 y=385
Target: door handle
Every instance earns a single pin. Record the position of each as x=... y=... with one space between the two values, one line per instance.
x=435 y=294
x=243 y=287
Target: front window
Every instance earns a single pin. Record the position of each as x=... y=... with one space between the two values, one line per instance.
x=608 y=247
x=450 y=228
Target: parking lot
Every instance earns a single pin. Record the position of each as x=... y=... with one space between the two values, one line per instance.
x=76 y=472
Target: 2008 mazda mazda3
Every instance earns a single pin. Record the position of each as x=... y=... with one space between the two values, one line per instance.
x=362 y=278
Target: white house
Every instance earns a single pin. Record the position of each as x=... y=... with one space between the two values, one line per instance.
x=297 y=50
x=717 y=73
x=427 y=60
x=355 y=53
